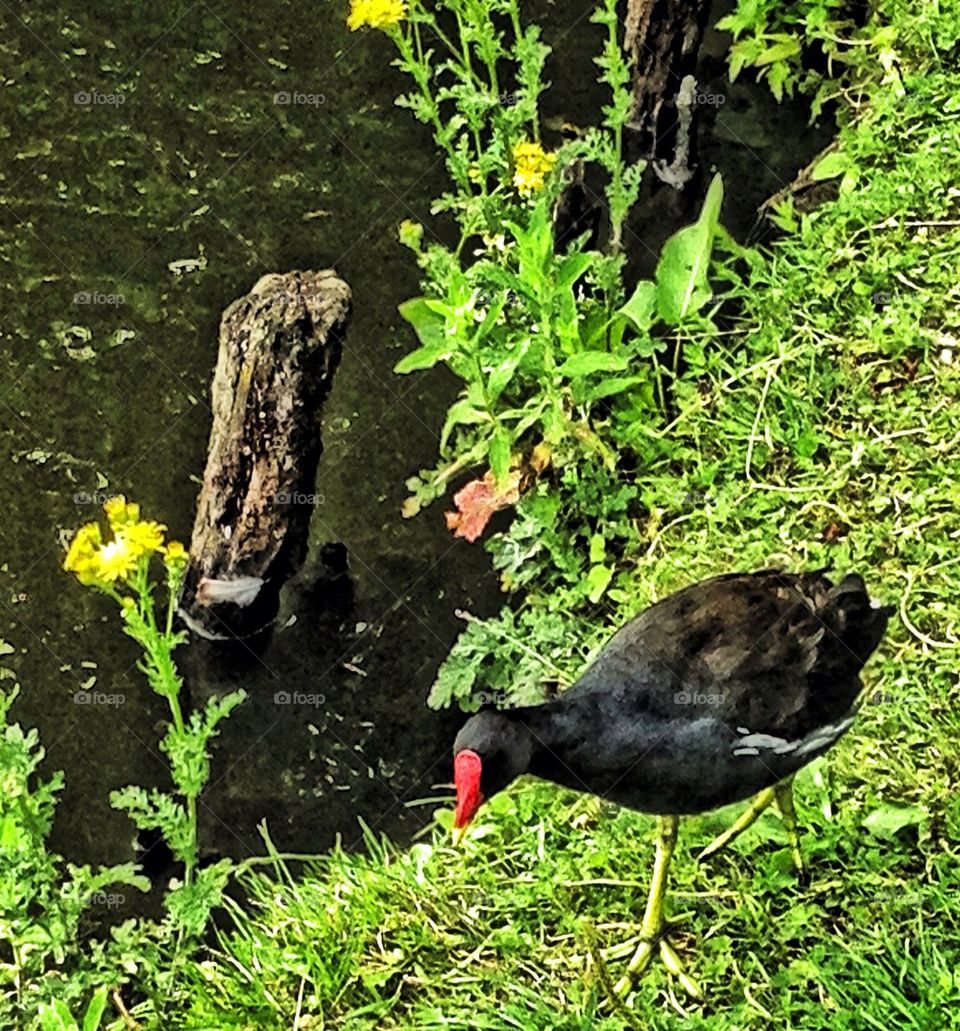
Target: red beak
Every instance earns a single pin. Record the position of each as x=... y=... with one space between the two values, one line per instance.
x=467 y=767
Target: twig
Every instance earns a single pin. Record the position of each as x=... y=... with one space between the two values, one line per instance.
x=603 y=974
x=129 y=1020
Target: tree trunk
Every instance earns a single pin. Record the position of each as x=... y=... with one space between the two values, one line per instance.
x=663 y=38
x=279 y=348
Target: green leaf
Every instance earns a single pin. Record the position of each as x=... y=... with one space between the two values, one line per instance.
x=94 y=1014
x=427 y=321
x=886 y=822
x=423 y=358
x=503 y=373
x=614 y=385
x=460 y=413
x=429 y=324
x=571 y=268
x=641 y=307
x=830 y=166
x=598 y=579
x=788 y=47
x=498 y=453
x=587 y=362
x=681 y=274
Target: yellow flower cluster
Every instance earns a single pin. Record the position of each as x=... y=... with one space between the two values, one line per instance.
x=531 y=164
x=377 y=14
x=96 y=561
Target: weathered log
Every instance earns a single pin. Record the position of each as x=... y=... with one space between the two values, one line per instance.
x=663 y=39
x=279 y=348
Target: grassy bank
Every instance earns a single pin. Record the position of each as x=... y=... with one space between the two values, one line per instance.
x=830 y=434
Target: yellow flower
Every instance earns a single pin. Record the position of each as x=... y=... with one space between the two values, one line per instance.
x=378 y=14
x=115 y=560
x=81 y=555
x=531 y=163
x=143 y=537
x=120 y=512
x=175 y=555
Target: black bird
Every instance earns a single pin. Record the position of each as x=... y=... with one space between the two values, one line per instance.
x=720 y=691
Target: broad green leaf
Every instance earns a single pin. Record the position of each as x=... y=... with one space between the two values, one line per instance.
x=598 y=579
x=598 y=548
x=614 y=385
x=587 y=362
x=423 y=358
x=94 y=1014
x=887 y=821
x=778 y=52
x=427 y=321
x=641 y=308
x=830 y=166
x=503 y=373
x=572 y=267
x=681 y=275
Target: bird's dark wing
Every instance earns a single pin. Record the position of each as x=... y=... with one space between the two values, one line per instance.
x=768 y=653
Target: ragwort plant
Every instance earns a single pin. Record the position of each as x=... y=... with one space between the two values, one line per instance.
x=545 y=336
x=121 y=568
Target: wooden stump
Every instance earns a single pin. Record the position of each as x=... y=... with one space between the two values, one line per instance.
x=279 y=348
x=663 y=38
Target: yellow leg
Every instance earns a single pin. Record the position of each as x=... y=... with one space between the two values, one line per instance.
x=746 y=818
x=654 y=923
x=782 y=795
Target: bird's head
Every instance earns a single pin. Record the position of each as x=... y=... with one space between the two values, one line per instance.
x=490 y=751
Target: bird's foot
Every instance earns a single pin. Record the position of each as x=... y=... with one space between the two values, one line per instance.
x=649 y=944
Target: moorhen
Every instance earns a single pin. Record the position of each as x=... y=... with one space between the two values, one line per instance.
x=720 y=691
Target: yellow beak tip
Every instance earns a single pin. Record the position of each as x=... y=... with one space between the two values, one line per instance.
x=459 y=833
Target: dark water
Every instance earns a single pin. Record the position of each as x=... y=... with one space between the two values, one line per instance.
x=109 y=392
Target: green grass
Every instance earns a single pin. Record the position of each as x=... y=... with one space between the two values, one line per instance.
x=830 y=420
